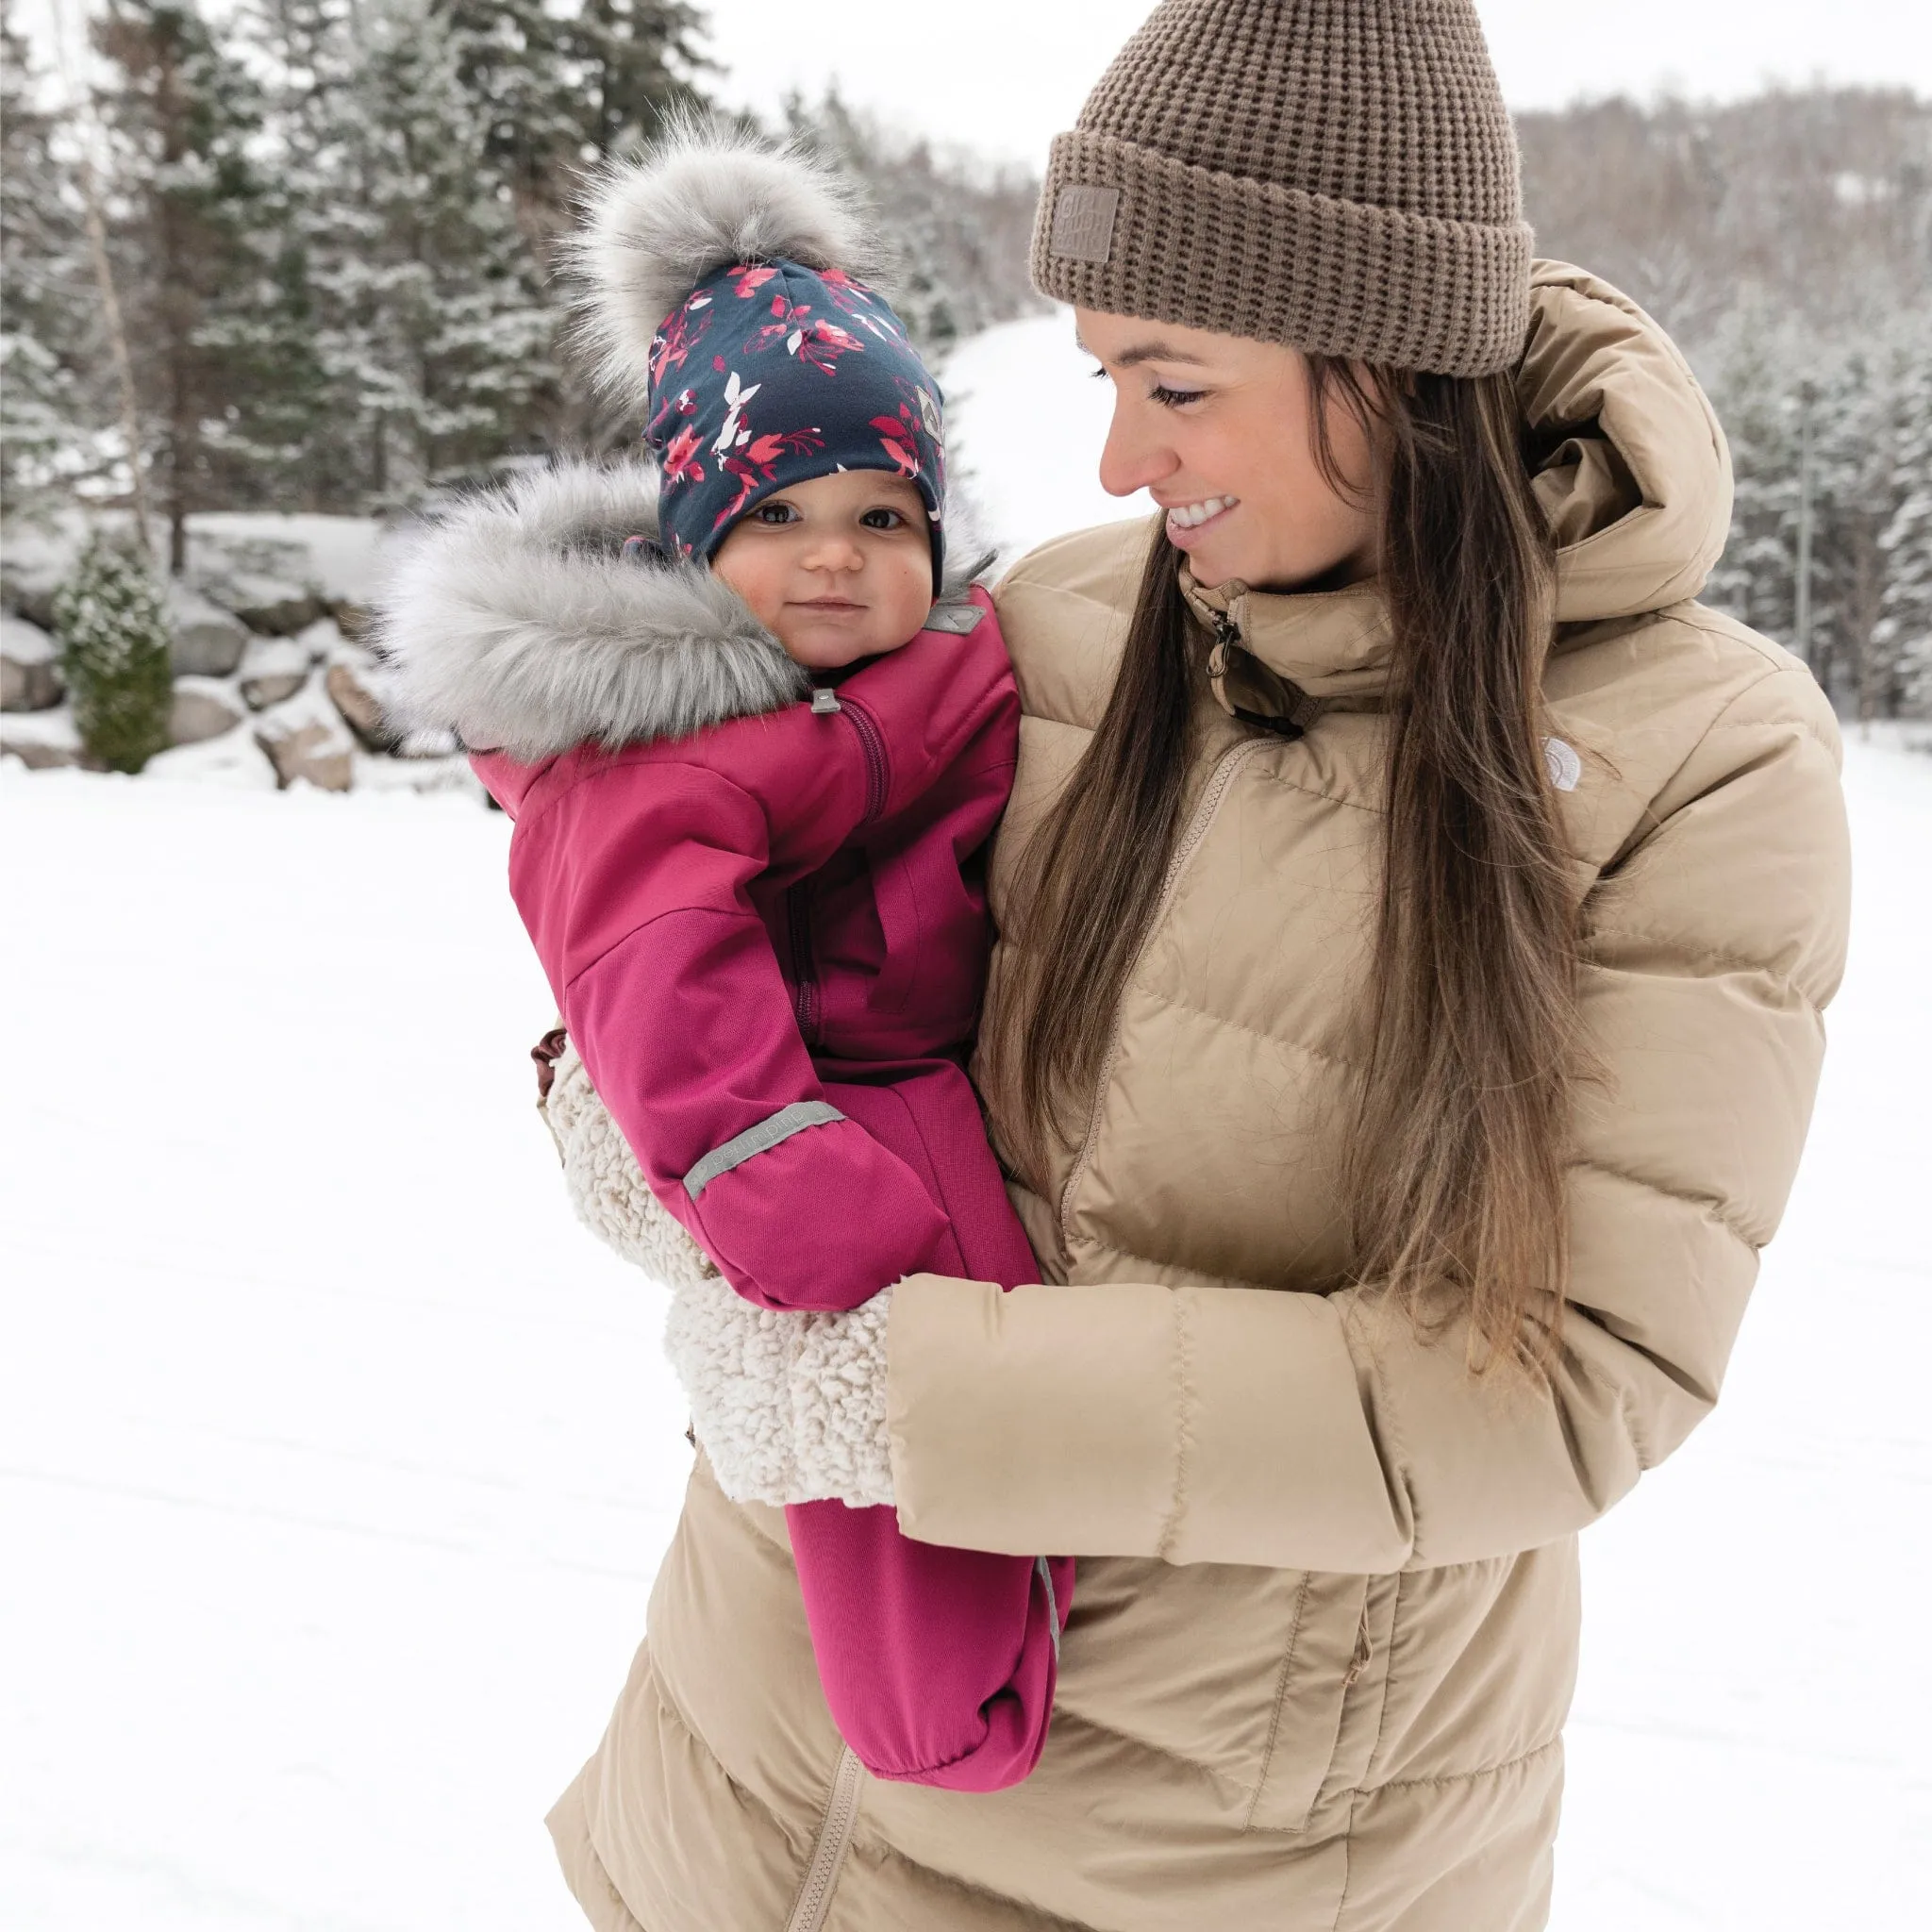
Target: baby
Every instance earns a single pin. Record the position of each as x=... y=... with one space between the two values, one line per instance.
x=755 y=737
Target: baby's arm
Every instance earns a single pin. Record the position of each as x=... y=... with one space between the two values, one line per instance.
x=634 y=885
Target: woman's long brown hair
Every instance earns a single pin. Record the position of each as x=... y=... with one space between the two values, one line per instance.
x=1458 y=1137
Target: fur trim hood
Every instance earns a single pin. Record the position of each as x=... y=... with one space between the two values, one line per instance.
x=518 y=623
x=697 y=202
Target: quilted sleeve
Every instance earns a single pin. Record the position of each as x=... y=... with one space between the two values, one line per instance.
x=1237 y=1425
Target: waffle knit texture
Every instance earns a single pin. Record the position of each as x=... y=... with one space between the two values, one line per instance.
x=1337 y=174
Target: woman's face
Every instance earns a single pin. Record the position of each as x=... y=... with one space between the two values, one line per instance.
x=1220 y=430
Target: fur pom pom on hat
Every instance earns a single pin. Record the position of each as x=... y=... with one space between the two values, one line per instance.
x=721 y=295
x=698 y=202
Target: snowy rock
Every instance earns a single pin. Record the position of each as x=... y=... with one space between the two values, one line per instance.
x=234 y=761
x=319 y=639
x=204 y=708
x=356 y=621
x=207 y=641
x=41 y=740
x=355 y=683
x=32 y=564
x=276 y=668
x=266 y=603
x=419 y=774
x=30 y=678
x=305 y=739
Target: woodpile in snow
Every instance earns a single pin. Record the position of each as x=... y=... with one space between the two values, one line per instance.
x=274 y=684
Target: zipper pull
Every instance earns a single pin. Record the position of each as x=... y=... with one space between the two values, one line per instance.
x=1364 y=1649
x=823 y=702
x=1227 y=636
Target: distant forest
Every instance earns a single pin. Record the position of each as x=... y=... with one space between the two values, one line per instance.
x=331 y=229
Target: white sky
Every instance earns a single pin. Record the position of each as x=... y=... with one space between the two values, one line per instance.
x=1006 y=75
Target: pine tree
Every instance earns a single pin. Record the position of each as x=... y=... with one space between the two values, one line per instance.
x=1853 y=498
x=1904 y=633
x=431 y=324
x=1754 y=391
x=640 y=61
x=112 y=626
x=956 y=231
x=214 y=326
x=49 y=403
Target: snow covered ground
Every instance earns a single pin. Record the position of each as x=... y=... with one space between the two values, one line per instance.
x=335 y=1461
x=1025 y=424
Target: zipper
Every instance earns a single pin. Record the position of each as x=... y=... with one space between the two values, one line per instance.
x=872 y=741
x=805 y=985
x=1228 y=638
x=1212 y=793
x=829 y=1852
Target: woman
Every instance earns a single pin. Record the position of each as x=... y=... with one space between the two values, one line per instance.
x=1417 y=914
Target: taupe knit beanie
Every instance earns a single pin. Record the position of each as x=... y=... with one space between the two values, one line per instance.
x=1337 y=174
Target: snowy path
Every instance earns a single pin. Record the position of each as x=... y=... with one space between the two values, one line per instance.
x=335 y=1463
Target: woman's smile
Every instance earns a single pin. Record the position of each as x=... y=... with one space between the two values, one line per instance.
x=1187 y=521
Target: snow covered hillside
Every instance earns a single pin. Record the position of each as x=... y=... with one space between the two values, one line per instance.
x=335 y=1461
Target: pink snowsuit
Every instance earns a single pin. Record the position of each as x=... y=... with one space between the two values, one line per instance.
x=768 y=938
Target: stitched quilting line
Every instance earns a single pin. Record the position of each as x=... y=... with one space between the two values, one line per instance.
x=1205 y=814
x=1463 y=1778
x=1388 y=1674
x=1713 y=1211
x=1195 y=1278
x=1295 y=1632
x=1276 y=1039
x=1181 y=1301
x=1701 y=962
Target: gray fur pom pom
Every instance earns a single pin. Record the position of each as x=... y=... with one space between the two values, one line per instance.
x=698 y=200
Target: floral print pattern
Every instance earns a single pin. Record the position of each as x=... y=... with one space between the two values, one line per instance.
x=770 y=374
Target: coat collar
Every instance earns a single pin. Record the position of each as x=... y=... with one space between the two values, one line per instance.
x=1637 y=485
x=521 y=622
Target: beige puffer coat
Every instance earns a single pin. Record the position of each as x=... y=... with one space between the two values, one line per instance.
x=1323 y=1648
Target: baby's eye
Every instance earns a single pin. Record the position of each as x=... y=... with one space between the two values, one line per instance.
x=775 y=513
x=883 y=519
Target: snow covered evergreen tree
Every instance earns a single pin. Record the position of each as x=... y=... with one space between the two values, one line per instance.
x=215 y=325
x=1904 y=633
x=112 y=626
x=639 y=60
x=957 y=228
x=1755 y=391
x=49 y=405
x=430 y=321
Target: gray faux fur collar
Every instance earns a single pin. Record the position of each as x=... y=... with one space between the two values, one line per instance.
x=517 y=623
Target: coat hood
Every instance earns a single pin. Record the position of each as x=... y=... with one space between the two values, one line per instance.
x=1636 y=482
x=518 y=623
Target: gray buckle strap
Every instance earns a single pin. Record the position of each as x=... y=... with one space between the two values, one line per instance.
x=759 y=1140
x=1052 y=1608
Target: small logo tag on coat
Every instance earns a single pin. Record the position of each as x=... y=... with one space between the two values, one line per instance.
x=956 y=618
x=1564 y=767
x=1083 y=222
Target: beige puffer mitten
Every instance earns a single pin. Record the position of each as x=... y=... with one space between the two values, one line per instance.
x=789 y=1406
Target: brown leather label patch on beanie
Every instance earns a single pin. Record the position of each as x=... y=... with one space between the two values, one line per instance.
x=1083 y=222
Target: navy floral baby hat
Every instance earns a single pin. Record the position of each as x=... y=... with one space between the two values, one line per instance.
x=770 y=374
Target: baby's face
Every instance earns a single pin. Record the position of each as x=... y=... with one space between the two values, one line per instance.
x=836 y=568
